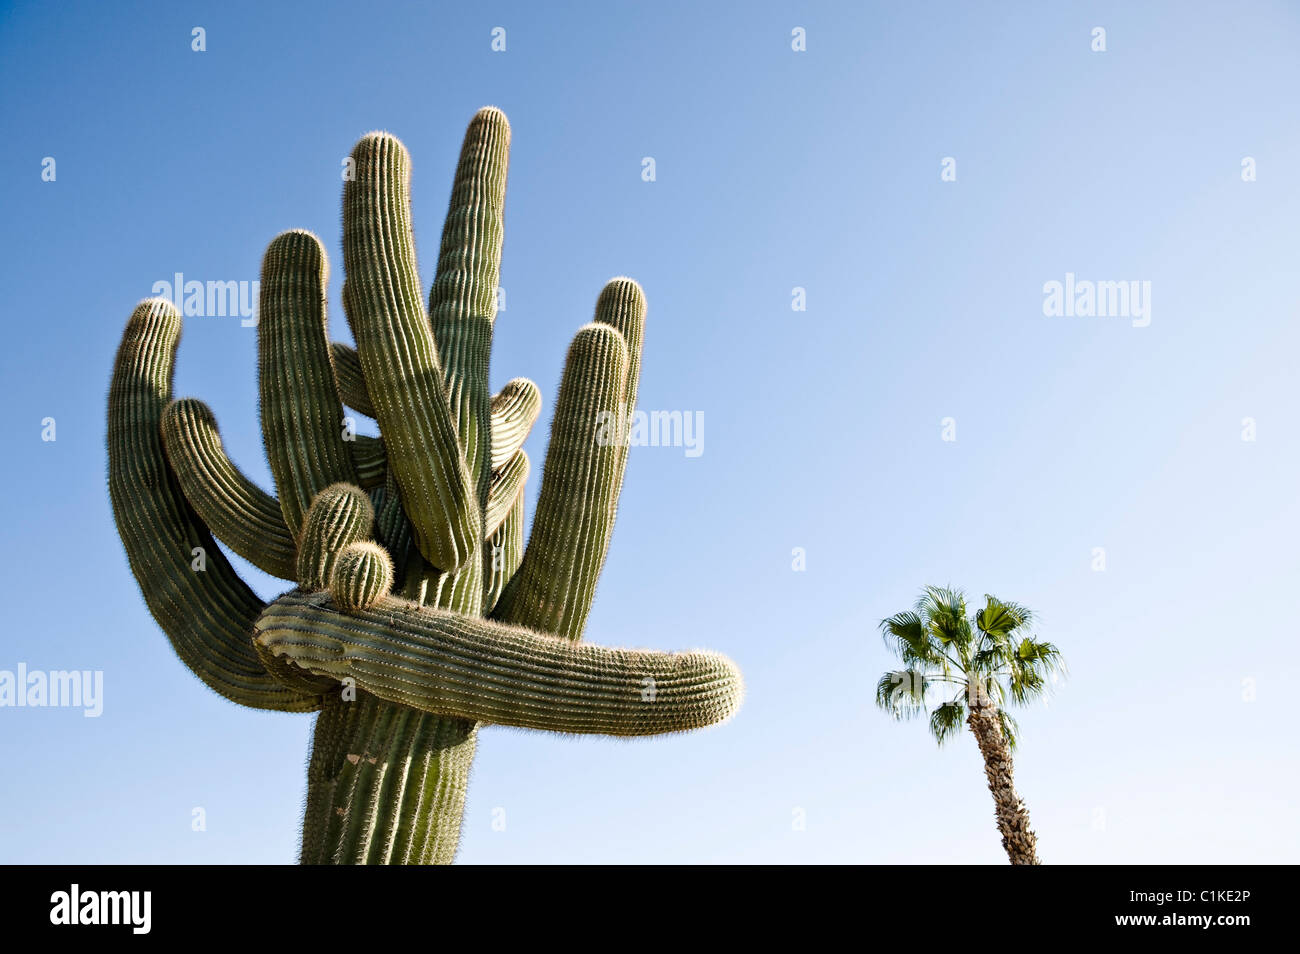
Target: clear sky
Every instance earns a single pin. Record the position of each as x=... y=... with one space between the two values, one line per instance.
x=775 y=170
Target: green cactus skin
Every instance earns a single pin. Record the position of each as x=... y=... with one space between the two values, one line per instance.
x=386 y=784
x=362 y=576
x=370 y=459
x=419 y=613
x=392 y=530
x=622 y=306
x=507 y=484
x=302 y=416
x=514 y=411
x=352 y=381
x=556 y=583
x=340 y=515
x=463 y=300
x=514 y=408
x=208 y=614
x=503 y=552
x=443 y=662
x=460 y=590
x=242 y=515
x=398 y=357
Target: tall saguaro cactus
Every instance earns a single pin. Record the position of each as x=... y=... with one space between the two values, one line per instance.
x=417 y=613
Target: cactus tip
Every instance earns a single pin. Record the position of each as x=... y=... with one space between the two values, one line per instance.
x=362 y=576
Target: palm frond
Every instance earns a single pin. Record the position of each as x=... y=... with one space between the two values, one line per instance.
x=998 y=621
x=906 y=637
x=948 y=599
x=901 y=693
x=1010 y=728
x=988 y=660
x=1042 y=654
x=1031 y=665
x=1002 y=616
x=943 y=612
x=946 y=720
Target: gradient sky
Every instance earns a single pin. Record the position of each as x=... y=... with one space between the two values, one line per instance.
x=775 y=169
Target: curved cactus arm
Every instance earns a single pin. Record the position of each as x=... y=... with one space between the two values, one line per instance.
x=369 y=456
x=351 y=381
x=622 y=305
x=370 y=459
x=507 y=485
x=514 y=410
x=207 y=614
x=450 y=664
x=241 y=514
x=555 y=585
x=399 y=358
x=302 y=416
x=463 y=300
x=392 y=529
x=502 y=554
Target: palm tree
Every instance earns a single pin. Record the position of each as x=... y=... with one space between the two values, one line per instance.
x=973 y=666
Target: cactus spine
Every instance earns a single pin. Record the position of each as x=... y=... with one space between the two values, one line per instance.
x=418 y=613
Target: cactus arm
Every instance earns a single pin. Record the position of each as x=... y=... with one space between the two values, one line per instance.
x=302 y=416
x=454 y=665
x=208 y=616
x=556 y=583
x=399 y=358
x=622 y=306
x=514 y=409
x=507 y=485
x=351 y=382
x=241 y=514
x=462 y=308
x=392 y=530
x=463 y=300
x=502 y=554
x=340 y=515
x=370 y=459
x=362 y=576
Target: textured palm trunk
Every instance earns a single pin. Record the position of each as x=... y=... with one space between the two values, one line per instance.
x=1018 y=838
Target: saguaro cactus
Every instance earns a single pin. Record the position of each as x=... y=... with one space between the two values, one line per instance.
x=417 y=614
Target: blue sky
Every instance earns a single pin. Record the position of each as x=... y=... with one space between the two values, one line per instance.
x=775 y=169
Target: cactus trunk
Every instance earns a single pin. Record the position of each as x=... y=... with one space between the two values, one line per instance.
x=385 y=785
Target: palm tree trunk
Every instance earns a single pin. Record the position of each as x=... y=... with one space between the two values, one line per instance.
x=1018 y=838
